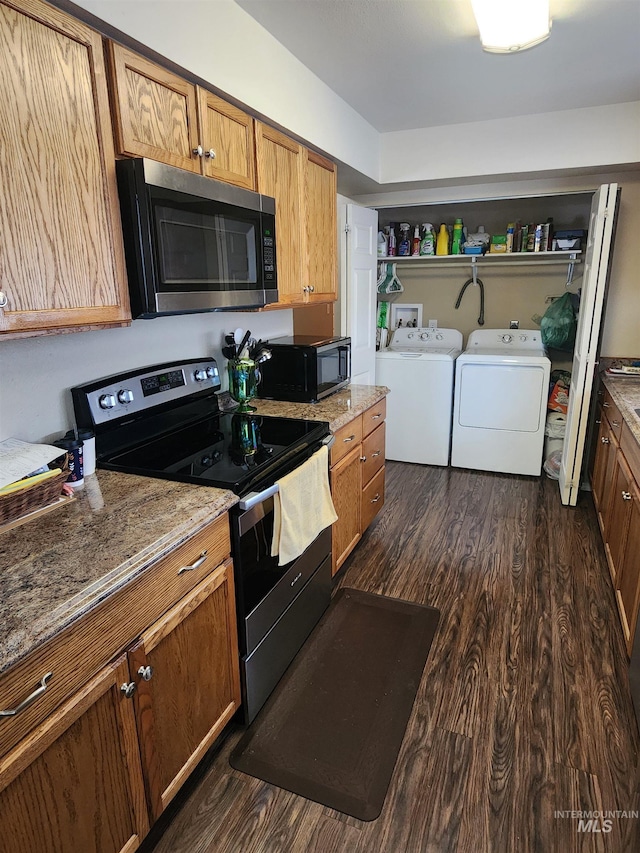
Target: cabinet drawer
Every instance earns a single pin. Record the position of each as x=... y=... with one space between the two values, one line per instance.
x=79 y=651
x=346 y=438
x=631 y=449
x=373 y=453
x=372 y=499
x=612 y=413
x=374 y=416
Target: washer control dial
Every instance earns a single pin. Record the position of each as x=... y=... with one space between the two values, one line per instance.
x=424 y=336
x=506 y=339
x=439 y=337
x=410 y=335
x=523 y=338
x=107 y=401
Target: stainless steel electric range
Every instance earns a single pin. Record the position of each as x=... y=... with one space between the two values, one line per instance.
x=165 y=421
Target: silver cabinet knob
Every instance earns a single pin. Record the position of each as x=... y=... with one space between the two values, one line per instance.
x=604 y=440
x=128 y=689
x=211 y=154
x=199 y=151
x=125 y=396
x=145 y=672
x=626 y=496
x=3 y=300
x=107 y=401
x=363 y=458
x=376 y=499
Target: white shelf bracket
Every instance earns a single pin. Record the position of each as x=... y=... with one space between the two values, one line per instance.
x=474 y=271
x=570 y=269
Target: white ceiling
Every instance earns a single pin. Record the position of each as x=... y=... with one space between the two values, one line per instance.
x=406 y=64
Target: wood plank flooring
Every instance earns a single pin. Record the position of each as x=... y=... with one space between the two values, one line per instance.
x=523 y=710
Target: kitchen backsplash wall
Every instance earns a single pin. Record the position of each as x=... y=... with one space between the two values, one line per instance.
x=36 y=373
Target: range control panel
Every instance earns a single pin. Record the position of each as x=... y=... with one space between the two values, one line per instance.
x=129 y=393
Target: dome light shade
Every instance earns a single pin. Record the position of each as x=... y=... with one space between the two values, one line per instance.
x=507 y=26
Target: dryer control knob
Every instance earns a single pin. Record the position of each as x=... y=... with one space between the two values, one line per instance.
x=523 y=338
x=410 y=335
x=506 y=339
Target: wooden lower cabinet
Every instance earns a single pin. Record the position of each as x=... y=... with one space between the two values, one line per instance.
x=94 y=773
x=75 y=783
x=186 y=671
x=357 y=480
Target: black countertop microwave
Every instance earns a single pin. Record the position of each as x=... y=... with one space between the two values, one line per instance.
x=194 y=244
x=304 y=369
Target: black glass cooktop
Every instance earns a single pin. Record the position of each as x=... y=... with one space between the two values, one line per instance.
x=228 y=450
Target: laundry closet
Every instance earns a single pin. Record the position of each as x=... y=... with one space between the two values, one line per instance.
x=512 y=291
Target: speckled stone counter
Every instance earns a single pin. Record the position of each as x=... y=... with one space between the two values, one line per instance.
x=57 y=567
x=626 y=395
x=338 y=409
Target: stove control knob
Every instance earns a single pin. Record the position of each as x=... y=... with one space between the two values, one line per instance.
x=200 y=375
x=125 y=396
x=211 y=372
x=107 y=401
x=424 y=336
x=506 y=339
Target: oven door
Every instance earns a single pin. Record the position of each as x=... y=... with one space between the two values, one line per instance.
x=278 y=606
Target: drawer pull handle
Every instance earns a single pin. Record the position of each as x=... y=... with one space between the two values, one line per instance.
x=604 y=440
x=626 y=496
x=376 y=499
x=145 y=672
x=606 y=406
x=375 y=417
x=195 y=565
x=3 y=300
x=37 y=693
x=296 y=579
x=351 y=437
x=615 y=423
x=128 y=688
x=377 y=453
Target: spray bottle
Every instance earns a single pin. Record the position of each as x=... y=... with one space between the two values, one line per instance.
x=428 y=242
x=404 y=247
x=415 y=245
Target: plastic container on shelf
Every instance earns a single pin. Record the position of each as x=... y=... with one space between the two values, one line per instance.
x=442 y=243
x=428 y=242
x=457 y=240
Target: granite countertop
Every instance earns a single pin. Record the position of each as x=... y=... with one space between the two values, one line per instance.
x=61 y=565
x=625 y=391
x=338 y=409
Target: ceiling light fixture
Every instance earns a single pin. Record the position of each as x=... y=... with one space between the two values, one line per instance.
x=507 y=26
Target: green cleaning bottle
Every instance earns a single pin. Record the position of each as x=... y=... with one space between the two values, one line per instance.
x=442 y=243
x=457 y=241
x=428 y=242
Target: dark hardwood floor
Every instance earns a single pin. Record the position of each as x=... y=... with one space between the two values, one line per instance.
x=523 y=710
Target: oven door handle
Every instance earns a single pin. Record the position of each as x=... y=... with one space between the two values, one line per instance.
x=255 y=498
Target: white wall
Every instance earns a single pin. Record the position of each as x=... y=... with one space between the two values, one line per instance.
x=37 y=373
x=571 y=139
x=222 y=44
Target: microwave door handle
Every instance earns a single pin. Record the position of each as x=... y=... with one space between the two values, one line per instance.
x=345 y=362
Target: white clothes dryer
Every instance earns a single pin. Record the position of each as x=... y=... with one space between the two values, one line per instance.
x=500 y=402
x=417 y=367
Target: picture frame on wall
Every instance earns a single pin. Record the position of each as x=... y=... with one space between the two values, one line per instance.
x=409 y=314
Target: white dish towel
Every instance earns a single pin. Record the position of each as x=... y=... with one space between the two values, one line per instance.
x=302 y=507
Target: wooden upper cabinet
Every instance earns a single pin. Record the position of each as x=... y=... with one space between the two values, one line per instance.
x=155 y=111
x=321 y=228
x=162 y=116
x=228 y=141
x=280 y=164
x=75 y=783
x=61 y=255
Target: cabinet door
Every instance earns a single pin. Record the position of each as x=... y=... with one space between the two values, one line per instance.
x=617 y=522
x=155 y=111
x=194 y=684
x=628 y=592
x=600 y=462
x=280 y=165
x=609 y=449
x=372 y=499
x=228 y=141
x=61 y=256
x=320 y=203
x=75 y=783
x=346 y=491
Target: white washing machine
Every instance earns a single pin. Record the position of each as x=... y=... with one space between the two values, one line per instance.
x=500 y=402
x=418 y=367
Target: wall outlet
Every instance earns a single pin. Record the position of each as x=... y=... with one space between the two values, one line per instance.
x=433 y=324
x=514 y=324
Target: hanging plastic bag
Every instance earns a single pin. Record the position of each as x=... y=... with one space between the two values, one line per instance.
x=558 y=326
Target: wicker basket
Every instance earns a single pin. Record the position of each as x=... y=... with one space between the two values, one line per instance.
x=15 y=505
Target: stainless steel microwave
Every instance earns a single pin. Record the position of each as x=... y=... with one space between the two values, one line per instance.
x=194 y=244
x=304 y=369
